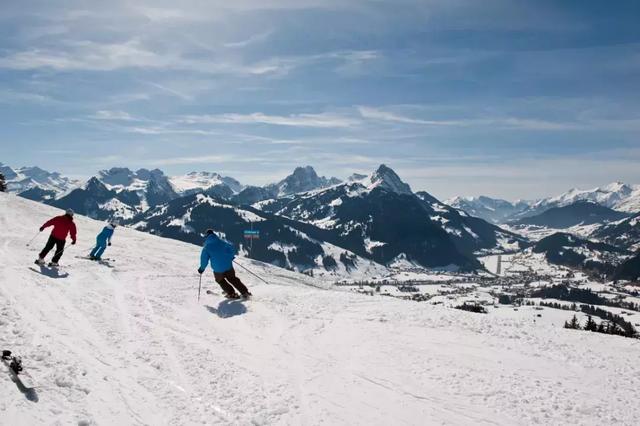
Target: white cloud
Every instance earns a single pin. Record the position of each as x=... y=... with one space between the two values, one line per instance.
x=323 y=120
x=113 y=115
x=256 y=38
x=372 y=113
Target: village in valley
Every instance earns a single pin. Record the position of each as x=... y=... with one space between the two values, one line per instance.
x=523 y=286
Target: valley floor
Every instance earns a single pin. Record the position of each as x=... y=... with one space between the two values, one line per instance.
x=130 y=344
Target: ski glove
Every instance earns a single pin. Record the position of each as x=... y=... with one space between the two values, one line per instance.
x=109 y=244
x=41 y=228
x=73 y=243
x=200 y=271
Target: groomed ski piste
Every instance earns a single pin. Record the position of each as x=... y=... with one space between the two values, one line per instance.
x=129 y=344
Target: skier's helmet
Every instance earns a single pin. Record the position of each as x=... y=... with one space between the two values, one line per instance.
x=209 y=231
x=69 y=212
x=114 y=224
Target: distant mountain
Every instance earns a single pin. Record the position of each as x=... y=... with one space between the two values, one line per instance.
x=624 y=233
x=119 y=193
x=492 y=210
x=569 y=250
x=578 y=213
x=282 y=242
x=97 y=201
x=253 y=194
x=195 y=182
x=152 y=187
x=303 y=179
x=35 y=183
x=617 y=196
x=379 y=217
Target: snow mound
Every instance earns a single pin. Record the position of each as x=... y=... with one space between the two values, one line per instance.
x=128 y=343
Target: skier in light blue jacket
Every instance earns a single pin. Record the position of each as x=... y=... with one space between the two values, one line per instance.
x=102 y=240
x=220 y=253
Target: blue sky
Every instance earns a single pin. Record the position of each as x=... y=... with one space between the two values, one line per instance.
x=517 y=99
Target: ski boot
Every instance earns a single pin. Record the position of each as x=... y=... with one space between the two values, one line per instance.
x=16 y=364
x=53 y=264
x=39 y=261
x=246 y=295
x=233 y=296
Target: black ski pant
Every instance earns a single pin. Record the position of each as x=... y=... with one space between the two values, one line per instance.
x=228 y=281
x=59 y=245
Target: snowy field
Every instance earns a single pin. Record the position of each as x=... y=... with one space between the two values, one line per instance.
x=130 y=345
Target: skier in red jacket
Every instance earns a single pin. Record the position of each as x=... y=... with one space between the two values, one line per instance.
x=62 y=226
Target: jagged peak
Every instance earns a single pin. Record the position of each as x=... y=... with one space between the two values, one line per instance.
x=385 y=177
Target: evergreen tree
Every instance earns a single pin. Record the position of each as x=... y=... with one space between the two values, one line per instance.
x=574 y=324
x=3 y=184
x=591 y=324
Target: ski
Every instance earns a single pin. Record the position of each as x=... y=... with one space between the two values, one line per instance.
x=103 y=259
x=20 y=377
x=213 y=293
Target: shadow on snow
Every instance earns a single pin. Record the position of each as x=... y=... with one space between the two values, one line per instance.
x=228 y=308
x=50 y=272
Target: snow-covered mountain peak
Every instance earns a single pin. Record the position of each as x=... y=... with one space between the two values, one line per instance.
x=23 y=179
x=618 y=187
x=356 y=177
x=616 y=195
x=125 y=178
x=116 y=176
x=302 y=179
x=196 y=181
x=385 y=177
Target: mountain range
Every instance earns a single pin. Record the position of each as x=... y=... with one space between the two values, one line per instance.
x=35 y=183
x=370 y=223
x=319 y=225
x=616 y=196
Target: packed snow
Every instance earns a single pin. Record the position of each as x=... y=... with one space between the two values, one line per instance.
x=127 y=342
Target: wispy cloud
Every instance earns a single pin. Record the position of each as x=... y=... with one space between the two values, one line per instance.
x=254 y=39
x=322 y=120
x=113 y=115
x=10 y=96
x=372 y=113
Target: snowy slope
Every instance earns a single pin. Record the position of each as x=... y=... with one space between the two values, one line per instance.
x=131 y=345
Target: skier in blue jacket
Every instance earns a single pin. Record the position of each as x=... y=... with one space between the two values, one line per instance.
x=102 y=240
x=220 y=254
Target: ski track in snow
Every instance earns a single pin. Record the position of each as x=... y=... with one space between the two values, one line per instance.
x=130 y=345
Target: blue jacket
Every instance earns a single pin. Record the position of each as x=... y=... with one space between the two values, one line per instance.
x=105 y=235
x=220 y=252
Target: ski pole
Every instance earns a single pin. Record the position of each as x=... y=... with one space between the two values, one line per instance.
x=34 y=237
x=199 y=287
x=60 y=251
x=249 y=271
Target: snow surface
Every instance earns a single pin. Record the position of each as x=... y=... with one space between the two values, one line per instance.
x=130 y=344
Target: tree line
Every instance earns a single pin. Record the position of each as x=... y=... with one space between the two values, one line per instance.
x=605 y=327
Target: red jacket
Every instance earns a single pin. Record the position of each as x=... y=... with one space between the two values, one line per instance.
x=62 y=225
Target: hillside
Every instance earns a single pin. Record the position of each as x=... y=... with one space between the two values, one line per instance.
x=131 y=345
x=569 y=250
x=578 y=213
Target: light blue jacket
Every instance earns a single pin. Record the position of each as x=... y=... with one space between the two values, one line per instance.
x=105 y=235
x=219 y=252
